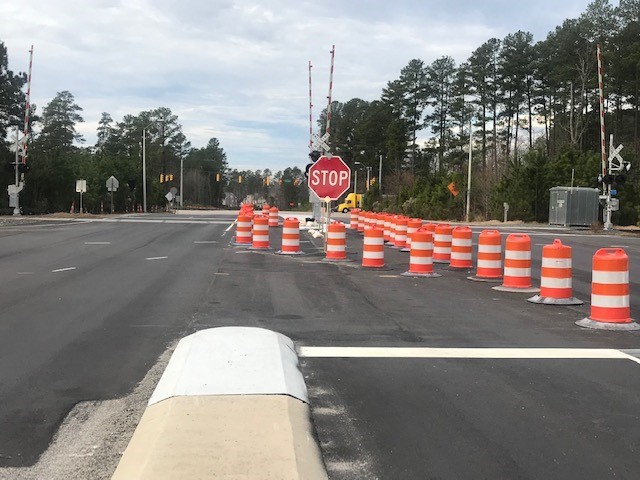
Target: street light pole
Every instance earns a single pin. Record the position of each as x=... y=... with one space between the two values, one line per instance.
x=368 y=177
x=144 y=169
x=380 y=175
x=181 y=183
x=466 y=216
x=355 y=182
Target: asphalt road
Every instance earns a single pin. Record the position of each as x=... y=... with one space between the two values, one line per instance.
x=92 y=333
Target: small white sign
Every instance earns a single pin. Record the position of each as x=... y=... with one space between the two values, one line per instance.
x=112 y=184
x=169 y=196
x=81 y=186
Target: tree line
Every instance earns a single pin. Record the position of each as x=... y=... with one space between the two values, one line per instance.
x=533 y=111
x=58 y=156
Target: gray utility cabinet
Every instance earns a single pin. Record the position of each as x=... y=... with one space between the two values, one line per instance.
x=573 y=206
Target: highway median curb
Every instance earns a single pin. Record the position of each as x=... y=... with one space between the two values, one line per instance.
x=231 y=403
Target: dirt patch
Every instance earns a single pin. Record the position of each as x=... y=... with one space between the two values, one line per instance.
x=92 y=438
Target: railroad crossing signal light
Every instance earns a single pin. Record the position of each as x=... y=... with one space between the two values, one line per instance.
x=23 y=168
x=162 y=178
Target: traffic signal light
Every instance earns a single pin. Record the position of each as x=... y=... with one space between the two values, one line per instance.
x=162 y=178
x=217 y=177
x=314 y=155
x=239 y=178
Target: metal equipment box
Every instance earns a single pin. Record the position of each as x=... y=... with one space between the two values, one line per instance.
x=573 y=206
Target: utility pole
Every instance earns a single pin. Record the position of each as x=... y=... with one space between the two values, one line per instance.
x=466 y=215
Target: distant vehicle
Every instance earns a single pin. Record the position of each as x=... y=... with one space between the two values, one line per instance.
x=352 y=201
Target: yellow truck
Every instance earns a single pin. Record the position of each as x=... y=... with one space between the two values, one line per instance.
x=353 y=200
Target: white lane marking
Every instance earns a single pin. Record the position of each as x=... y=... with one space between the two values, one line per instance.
x=619 y=246
x=97 y=243
x=221 y=273
x=204 y=242
x=26 y=273
x=389 y=276
x=66 y=269
x=156 y=258
x=478 y=353
x=229 y=228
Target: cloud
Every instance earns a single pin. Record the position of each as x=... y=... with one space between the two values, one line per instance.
x=237 y=70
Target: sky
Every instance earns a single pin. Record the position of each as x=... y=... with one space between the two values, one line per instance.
x=238 y=70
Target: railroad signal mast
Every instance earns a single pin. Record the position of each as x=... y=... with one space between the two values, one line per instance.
x=20 y=146
x=613 y=165
x=318 y=144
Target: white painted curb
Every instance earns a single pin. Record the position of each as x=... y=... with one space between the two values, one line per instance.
x=232 y=361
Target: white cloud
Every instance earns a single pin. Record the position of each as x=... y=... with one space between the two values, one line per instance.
x=237 y=70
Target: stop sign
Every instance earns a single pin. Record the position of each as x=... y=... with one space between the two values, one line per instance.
x=329 y=177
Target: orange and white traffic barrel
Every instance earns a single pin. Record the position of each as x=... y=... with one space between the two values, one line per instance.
x=290 y=237
x=555 y=276
x=610 y=308
x=353 y=220
x=336 y=242
x=400 y=239
x=517 y=265
x=260 y=232
x=429 y=227
x=387 y=227
x=461 y=249
x=392 y=230
x=380 y=221
x=370 y=222
x=442 y=243
x=489 y=263
x=413 y=225
x=373 y=249
x=361 y=219
x=265 y=210
x=421 y=255
x=274 y=219
x=243 y=230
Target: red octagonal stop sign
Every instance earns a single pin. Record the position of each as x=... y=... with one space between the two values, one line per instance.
x=329 y=177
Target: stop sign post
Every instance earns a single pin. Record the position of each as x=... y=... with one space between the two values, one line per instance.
x=329 y=177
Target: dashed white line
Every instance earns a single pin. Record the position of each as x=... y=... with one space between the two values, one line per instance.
x=477 y=353
x=66 y=269
x=156 y=258
x=204 y=242
x=25 y=273
x=97 y=243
